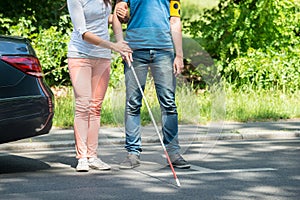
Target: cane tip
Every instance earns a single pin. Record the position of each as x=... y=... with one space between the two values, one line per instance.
x=178 y=183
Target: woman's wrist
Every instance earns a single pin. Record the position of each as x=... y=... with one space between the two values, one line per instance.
x=106 y=44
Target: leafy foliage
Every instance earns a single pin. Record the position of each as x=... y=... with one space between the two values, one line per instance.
x=265 y=70
x=51 y=46
x=46 y=13
x=117 y=71
x=255 y=41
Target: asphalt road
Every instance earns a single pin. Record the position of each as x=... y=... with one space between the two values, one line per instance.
x=260 y=169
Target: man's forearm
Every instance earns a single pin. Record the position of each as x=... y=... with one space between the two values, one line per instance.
x=176 y=32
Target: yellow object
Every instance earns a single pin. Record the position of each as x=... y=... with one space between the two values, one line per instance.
x=175 y=8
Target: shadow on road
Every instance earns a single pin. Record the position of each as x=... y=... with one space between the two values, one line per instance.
x=16 y=164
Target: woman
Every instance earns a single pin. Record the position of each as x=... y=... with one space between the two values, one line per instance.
x=89 y=54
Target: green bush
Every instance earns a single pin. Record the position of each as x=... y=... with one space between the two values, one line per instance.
x=117 y=71
x=246 y=36
x=47 y=13
x=235 y=26
x=265 y=70
x=51 y=47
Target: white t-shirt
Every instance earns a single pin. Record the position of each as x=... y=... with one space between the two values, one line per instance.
x=92 y=16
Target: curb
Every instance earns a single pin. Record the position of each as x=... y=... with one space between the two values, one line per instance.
x=29 y=144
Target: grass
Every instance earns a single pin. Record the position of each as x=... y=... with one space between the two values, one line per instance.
x=193 y=108
x=253 y=105
x=64 y=107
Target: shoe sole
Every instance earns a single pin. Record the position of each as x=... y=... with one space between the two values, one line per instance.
x=182 y=166
x=98 y=168
x=82 y=170
x=129 y=167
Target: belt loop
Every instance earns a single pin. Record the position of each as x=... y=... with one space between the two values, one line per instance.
x=152 y=54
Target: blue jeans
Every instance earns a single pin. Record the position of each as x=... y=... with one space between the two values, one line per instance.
x=161 y=66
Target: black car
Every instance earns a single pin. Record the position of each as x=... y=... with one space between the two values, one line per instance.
x=26 y=102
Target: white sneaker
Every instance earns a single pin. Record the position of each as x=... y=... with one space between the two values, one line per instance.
x=83 y=165
x=97 y=163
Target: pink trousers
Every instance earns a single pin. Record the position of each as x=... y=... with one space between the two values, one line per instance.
x=90 y=79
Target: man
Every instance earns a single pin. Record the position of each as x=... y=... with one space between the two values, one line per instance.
x=153 y=32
